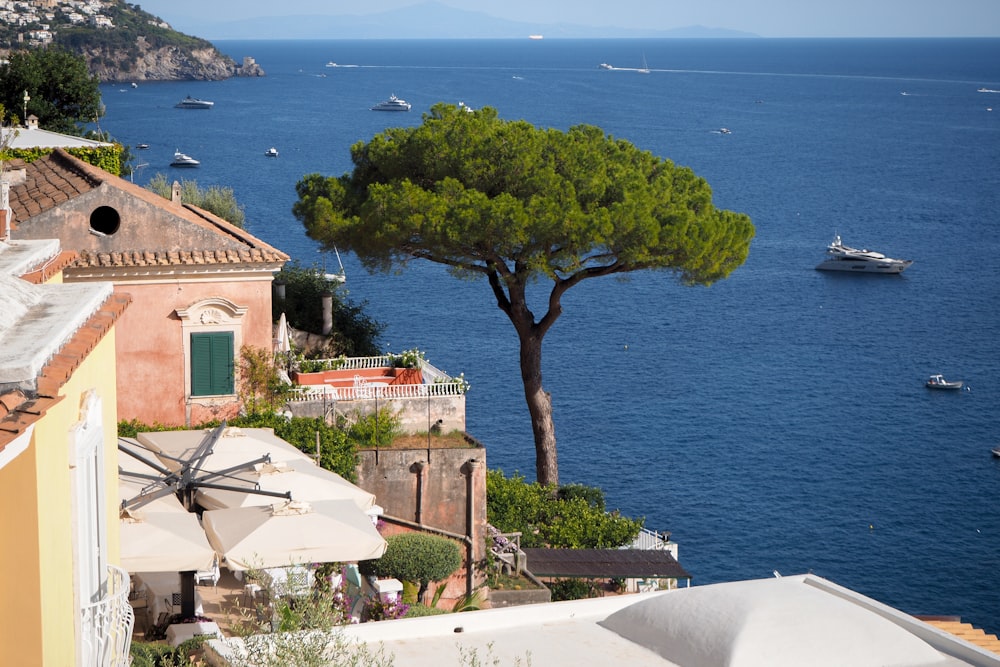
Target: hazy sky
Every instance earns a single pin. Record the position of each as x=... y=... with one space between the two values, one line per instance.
x=768 y=18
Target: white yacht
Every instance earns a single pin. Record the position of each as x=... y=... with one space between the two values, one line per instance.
x=271 y=152
x=182 y=160
x=840 y=257
x=605 y=66
x=392 y=104
x=194 y=103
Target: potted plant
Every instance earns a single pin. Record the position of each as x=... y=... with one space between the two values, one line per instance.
x=407 y=367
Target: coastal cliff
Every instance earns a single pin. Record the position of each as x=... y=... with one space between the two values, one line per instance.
x=167 y=63
x=119 y=42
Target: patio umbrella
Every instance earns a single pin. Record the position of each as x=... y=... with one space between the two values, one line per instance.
x=304 y=479
x=163 y=541
x=292 y=533
x=234 y=446
x=283 y=340
x=158 y=535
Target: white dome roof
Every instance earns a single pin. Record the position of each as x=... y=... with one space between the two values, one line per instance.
x=777 y=622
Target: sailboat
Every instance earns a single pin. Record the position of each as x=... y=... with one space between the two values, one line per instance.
x=340 y=276
x=645 y=68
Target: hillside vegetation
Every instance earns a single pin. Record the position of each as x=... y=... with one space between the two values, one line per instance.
x=131 y=45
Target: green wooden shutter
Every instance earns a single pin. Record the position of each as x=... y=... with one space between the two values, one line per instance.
x=212 y=364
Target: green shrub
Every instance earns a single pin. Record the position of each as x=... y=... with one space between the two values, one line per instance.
x=573 y=589
x=378 y=429
x=416 y=557
x=417 y=610
x=571 y=517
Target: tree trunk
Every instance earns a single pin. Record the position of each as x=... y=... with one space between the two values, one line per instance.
x=540 y=408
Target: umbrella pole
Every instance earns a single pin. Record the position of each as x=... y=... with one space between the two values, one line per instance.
x=187 y=594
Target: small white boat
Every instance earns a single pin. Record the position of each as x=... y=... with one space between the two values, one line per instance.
x=182 y=160
x=938 y=382
x=605 y=66
x=725 y=130
x=331 y=64
x=996 y=452
x=271 y=152
x=840 y=257
x=392 y=104
x=194 y=103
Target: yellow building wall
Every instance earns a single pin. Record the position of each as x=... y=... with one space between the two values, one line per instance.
x=39 y=617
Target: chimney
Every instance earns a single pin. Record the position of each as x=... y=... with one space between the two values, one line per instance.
x=175 y=193
x=32 y=122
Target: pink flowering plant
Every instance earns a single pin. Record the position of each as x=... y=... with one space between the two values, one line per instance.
x=376 y=609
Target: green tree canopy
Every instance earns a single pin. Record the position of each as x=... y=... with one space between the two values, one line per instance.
x=217 y=199
x=517 y=204
x=570 y=517
x=63 y=94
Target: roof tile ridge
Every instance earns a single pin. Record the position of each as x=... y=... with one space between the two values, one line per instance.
x=93 y=175
x=239 y=233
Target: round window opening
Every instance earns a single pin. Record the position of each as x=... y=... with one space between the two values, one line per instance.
x=105 y=220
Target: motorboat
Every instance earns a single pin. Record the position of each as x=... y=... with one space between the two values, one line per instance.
x=182 y=160
x=271 y=152
x=605 y=66
x=194 y=103
x=840 y=257
x=331 y=64
x=725 y=130
x=996 y=451
x=142 y=147
x=392 y=104
x=938 y=382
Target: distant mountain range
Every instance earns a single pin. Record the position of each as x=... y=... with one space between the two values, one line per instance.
x=429 y=20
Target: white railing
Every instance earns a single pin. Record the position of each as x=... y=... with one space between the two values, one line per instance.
x=437 y=383
x=106 y=627
x=371 y=390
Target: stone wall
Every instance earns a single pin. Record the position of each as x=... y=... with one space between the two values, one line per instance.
x=437 y=491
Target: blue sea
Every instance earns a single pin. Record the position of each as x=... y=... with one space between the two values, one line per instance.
x=776 y=420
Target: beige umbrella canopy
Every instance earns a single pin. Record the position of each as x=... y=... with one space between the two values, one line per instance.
x=233 y=447
x=292 y=533
x=167 y=541
x=157 y=533
x=305 y=480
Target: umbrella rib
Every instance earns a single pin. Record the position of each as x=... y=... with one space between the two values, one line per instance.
x=244 y=489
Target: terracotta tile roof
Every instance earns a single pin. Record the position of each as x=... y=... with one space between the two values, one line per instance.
x=175 y=257
x=48 y=182
x=58 y=177
x=18 y=410
x=58 y=263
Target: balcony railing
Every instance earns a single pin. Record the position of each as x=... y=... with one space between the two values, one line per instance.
x=107 y=624
x=437 y=383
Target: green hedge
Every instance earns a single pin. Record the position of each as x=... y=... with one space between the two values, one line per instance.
x=108 y=158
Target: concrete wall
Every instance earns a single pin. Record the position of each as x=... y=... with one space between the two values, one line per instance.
x=415 y=414
x=443 y=489
x=143 y=224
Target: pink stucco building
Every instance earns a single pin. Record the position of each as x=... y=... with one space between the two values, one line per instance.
x=200 y=287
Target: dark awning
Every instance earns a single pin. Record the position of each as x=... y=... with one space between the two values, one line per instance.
x=617 y=563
